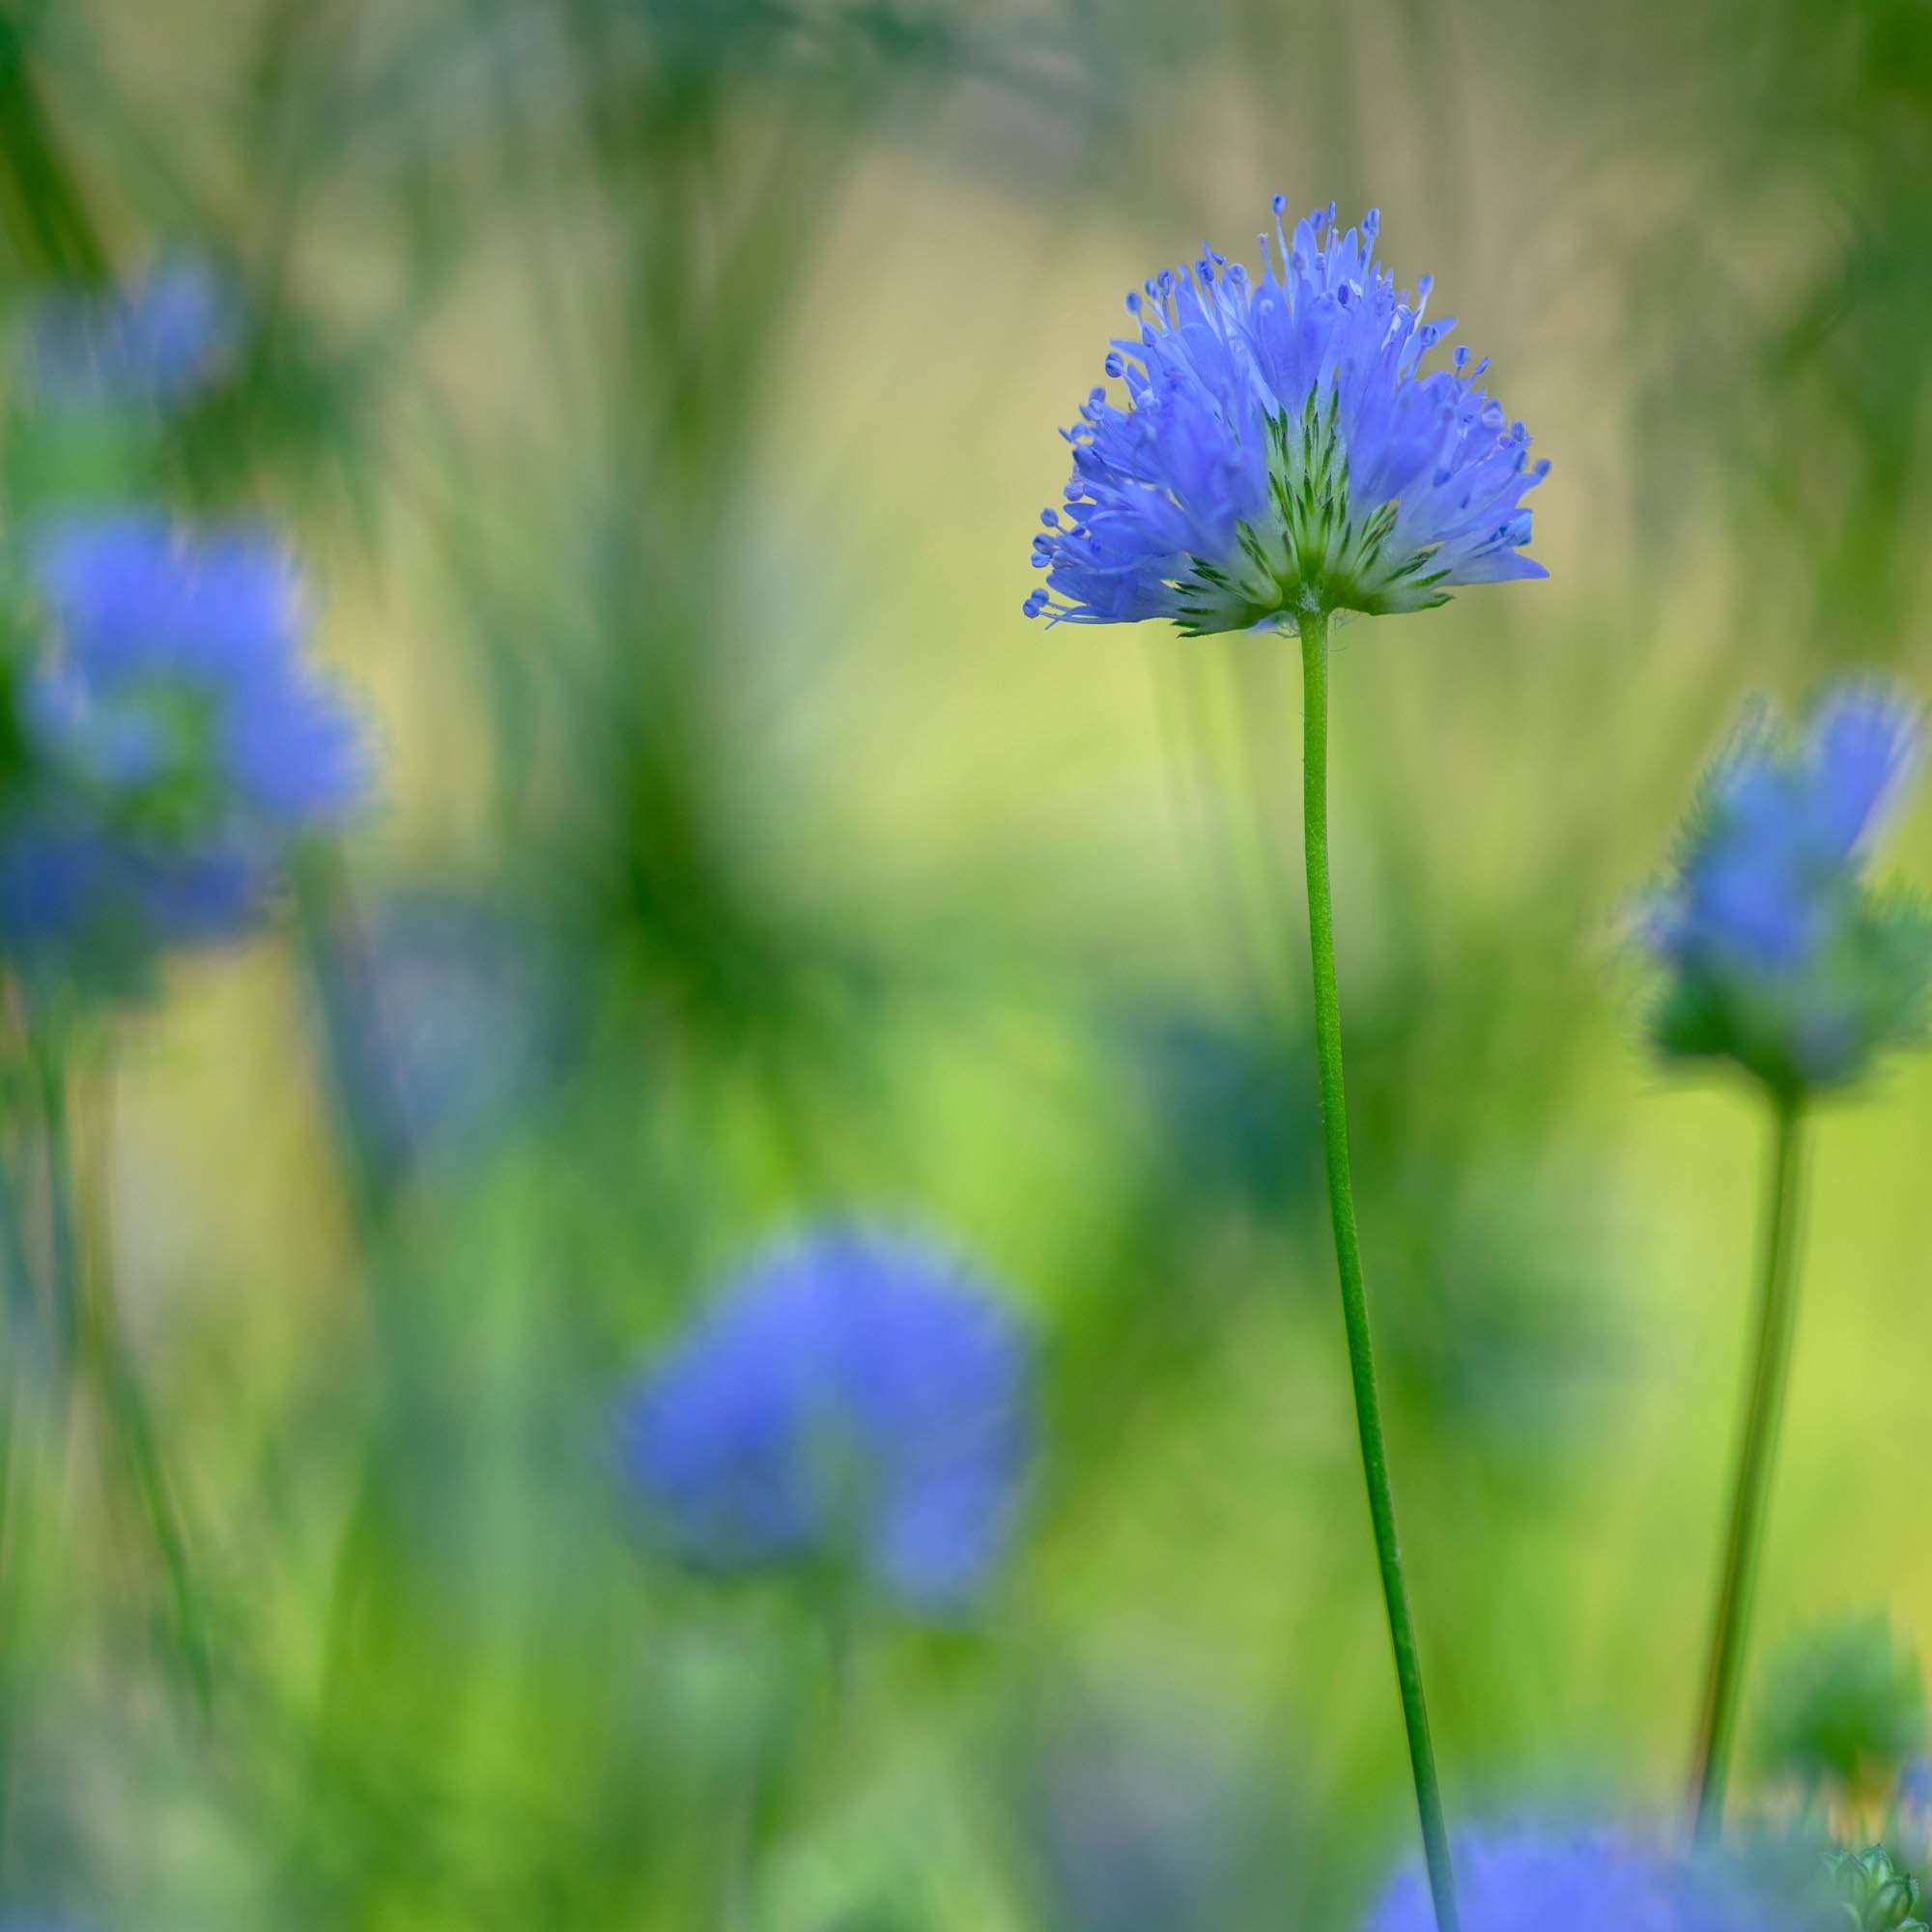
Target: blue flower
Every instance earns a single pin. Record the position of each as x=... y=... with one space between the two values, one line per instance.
x=1283 y=451
x=467 y=1018
x=1142 y=1820
x=173 y=738
x=1781 y=956
x=1527 y=1881
x=856 y=1399
x=159 y=341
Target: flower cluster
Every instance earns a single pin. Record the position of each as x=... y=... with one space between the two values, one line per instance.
x=1283 y=451
x=1528 y=1881
x=170 y=740
x=1781 y=956
x=157 y=341
x=855 y=1401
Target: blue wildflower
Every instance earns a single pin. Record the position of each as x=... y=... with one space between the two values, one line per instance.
x=1527 y=1881
x=467 y=1018
x=159 y=341
x=1143 y=1821
x=856 y=1399
x=173 y=738
x=1782 y=956
x=1282 y=451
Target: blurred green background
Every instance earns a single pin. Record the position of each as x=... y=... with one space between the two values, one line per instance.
x=663 y=393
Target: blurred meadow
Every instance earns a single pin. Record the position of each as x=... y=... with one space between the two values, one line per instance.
x=660 y=396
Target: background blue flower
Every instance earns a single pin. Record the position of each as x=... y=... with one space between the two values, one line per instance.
x=1599 y=1880
x=1283 y=449
x=857 y=1398
x=1782 y=957
x=174 y=739
x=160 y=340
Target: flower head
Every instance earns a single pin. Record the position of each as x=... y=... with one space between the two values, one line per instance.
x=1143 y=1818
x=1282 y=450
x=1781 y=956
x=1527 y=1881
x=173 y=740
x=467 y=1018
x=855 y=1399
x=159 y=341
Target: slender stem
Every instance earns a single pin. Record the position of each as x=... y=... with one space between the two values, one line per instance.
x=1349 y=1261
x=64 y=1254
x=1743 y=1542
x=27 y=1346
x=92 y=1345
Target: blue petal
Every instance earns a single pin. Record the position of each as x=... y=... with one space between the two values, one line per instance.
x=856 y=1395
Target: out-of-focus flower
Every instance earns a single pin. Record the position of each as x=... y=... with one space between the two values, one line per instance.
x=1844 y=1706
x=468 y=1019
x=159 y=341
x=173 y=739
x=1282 y=451
x=1144 y=1820
x=1606 y=1882
x=858 y=1400
x=1781 y=956
x=1525 y=1882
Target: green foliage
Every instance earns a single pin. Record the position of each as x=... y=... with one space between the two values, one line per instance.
x=1843 y=1708
x=1878 y=1895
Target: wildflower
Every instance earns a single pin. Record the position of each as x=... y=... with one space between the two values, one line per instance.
x=461 y=1020
x=1782 y=958
x=1284 y=456
x=856 y=1401
x=1282 y=451
x=1142 y=1819
x=1526 y=1881
x=172 y=738
x=159 y=341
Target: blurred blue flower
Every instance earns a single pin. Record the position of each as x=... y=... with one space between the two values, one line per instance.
x=1781 y=957
x=1527 y=1881
x=157 y=341
x=1144 y=1819
x=1282 y=451
x=856 y=1399
x=466 y=1017
x=173 y=738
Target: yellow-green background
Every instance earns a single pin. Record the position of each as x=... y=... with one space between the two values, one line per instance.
x=695 y=370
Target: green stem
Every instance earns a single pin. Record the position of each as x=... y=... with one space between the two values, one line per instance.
x=27 y=1344
x=1349 y=1261
x=64 y=1254
x=40 y=204
x=1743 y=1542
x=92 y=1345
